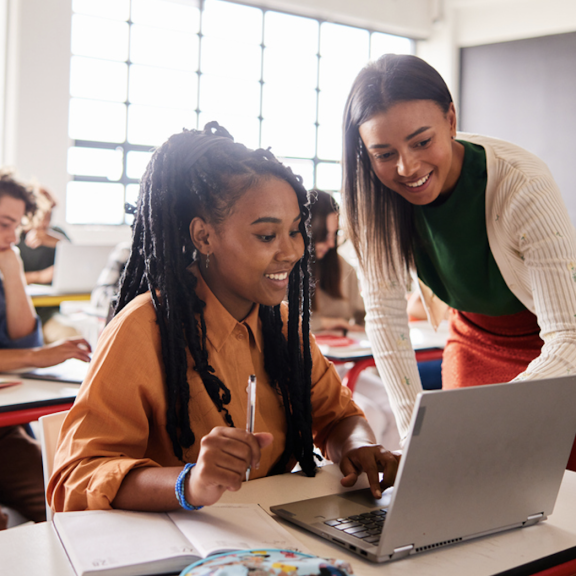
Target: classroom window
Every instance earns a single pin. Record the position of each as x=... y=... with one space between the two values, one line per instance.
x=168 y=64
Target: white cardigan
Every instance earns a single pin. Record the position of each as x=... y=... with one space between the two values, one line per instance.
x=534 y=245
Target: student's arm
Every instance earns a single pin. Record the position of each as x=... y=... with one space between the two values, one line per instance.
x=20 y=313
x=225 y=454
x=44 y=276
x=352 y=444
x=44 y=356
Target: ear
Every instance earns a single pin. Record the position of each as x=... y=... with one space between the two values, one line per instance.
x=451 y=117
x=201 y=234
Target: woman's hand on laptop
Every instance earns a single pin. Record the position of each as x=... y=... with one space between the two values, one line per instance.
x=60 y=351
x=371 y=459
x=352 y=444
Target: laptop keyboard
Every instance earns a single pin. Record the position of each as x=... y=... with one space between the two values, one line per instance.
x=366 y=526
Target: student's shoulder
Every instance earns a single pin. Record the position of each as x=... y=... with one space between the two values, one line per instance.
x=139 y=314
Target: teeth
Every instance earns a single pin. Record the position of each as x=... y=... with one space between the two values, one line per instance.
x=282 y=276
x=419 y=183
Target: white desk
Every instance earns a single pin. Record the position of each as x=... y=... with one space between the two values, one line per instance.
x=35 y=549
x=28 y=401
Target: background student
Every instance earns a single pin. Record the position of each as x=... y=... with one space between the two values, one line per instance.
x=219 y=236
x=336 y=300
x=21 y=483
x=479 y=220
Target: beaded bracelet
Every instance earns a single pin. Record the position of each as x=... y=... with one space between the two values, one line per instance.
x=179 y=489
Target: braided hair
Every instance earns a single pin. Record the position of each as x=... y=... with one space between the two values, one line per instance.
x=203 y=173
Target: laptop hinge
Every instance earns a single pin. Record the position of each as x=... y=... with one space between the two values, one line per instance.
x=533 y=519
x=401 y=552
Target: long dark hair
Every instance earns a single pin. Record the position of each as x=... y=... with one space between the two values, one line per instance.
x=379 y=221
x=204 y=173
x=326 y=272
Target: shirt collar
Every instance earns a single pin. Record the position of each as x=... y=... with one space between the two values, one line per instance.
x=221 y=324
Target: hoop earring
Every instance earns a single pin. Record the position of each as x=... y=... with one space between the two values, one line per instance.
x=207 y=261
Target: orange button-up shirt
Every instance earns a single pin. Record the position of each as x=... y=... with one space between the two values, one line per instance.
x=118 y=421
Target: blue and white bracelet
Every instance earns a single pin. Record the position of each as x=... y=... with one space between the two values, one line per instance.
x=179 y=489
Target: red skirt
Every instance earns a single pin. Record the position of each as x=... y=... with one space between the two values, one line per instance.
x=490 y=349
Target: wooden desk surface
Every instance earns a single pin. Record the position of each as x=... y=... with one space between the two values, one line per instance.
x=46 y=300
x=35 y=549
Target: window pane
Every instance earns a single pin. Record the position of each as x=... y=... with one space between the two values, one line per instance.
x=330 y=141
x=98 y=79
x=285 y=67
x=113 y=9
x=229 y=96
x=164 y=48
x=95 y=162
x=232 y=59
x=328 y=176
x=107 y=39
x=244 y=129
x=386 y=43
x=289 y=102
x=136 y=163
x=304 y=168
x=161 y=87
x=232 y=21
x=344 y=52
x=96 y=120
x=172 y=15
x=331 y=104
x=289 y=138
x=337 y=40
x=94 y=203
x=280 y=31
x=152 y=126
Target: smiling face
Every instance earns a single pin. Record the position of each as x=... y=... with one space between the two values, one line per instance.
x=11 y=214
x=254 y=249
x=412 y=149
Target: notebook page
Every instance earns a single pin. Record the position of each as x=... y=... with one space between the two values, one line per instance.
x=111 y=541
x=225 y=527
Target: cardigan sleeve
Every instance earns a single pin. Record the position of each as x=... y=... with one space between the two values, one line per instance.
x=540 y=255
x=389 y=334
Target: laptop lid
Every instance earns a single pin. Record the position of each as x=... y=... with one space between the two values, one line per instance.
x=478 y=460
x=77 y=267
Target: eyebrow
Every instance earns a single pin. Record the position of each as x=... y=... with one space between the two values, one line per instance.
x=409 y=137
x=272 y=220
x=4 y=217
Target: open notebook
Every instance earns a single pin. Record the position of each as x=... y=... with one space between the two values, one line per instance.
x=477 y=461
x=122 y=543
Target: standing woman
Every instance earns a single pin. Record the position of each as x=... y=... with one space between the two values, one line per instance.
x=481 y=223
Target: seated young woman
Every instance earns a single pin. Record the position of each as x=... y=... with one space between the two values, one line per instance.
x=219 y=236
x=336 y=303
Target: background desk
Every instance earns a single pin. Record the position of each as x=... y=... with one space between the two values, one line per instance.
x=46 y=300
x=427 y=343
x=36 y=549
x=28 y=401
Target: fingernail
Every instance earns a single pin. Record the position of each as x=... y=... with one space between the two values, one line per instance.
x=257 y=465
x=378 y=494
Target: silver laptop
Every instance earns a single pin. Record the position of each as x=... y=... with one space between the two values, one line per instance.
x=477 y=461
x=76 y=269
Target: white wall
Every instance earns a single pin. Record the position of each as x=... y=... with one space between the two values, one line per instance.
x=463 y=23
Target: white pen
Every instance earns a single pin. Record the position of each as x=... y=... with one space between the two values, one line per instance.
x=250 y=410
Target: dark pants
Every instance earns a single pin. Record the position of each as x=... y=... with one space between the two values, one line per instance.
x=21 y=480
